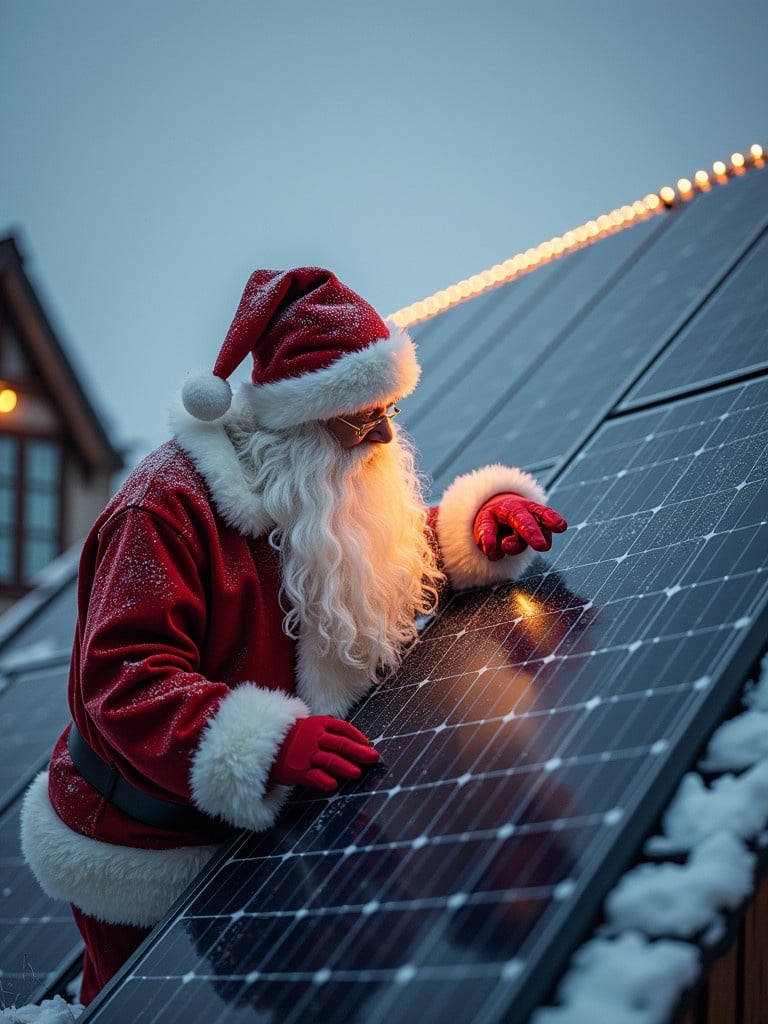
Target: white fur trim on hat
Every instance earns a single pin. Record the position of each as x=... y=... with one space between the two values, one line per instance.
x=378 y=374
x=116 y=884
x=231 y=766
x=465 y=565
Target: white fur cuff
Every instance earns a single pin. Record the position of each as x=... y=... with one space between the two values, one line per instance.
x=231 y=766
x=465 y=565
x=117 y=884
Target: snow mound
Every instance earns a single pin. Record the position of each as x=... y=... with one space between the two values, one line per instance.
x=626 y=980
x=50 y=1011
x=682 y=900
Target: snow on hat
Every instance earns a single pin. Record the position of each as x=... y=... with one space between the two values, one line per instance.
x=319 y=350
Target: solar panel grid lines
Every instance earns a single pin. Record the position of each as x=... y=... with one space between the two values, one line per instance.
x=590 y=370
x=528 y=743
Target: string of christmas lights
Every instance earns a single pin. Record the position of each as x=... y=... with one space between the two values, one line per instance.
x=606 y=224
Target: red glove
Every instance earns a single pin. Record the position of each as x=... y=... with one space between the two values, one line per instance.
x=507 y=523
x=320 y=750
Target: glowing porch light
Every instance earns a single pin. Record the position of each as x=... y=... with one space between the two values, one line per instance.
x=8 y=400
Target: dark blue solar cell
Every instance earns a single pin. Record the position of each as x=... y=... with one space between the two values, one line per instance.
x=497 y=351
x=38 y=938
x=33 y=705
x=530 y=740
x=728 y=336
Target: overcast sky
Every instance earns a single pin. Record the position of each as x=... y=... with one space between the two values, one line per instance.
x=155 y=152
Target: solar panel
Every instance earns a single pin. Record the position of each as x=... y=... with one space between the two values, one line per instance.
x=479 y=365
x=727 y=338
x=33 y=705
x=38 y=939
x=531 y=738
x=39 y=942
x=550 y=413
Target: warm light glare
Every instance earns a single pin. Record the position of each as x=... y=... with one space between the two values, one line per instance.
x=684 y=187
x=606 y=224
x=8 y=400
x=526 y=605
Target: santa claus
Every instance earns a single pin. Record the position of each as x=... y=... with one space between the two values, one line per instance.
x=251 y=580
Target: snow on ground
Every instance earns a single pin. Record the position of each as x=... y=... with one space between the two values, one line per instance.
x=638 y=970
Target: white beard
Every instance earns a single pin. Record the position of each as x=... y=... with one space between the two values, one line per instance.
x=351 y=531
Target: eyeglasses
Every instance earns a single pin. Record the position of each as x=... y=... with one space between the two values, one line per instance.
x=361 y=429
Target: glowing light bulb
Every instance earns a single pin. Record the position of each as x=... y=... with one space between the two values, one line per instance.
x=737 y=161
x=667 y=194
x=719 y=169
x=8 y=400
x=701 y=179
x=685 y=188
x=757 y=153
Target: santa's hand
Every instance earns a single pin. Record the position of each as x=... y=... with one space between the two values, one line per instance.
x=507 y=523
x=319 y=751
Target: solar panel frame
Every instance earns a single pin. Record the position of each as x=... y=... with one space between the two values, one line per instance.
x=687 y=341
x=535 y=977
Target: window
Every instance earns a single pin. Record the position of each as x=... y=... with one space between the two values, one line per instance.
x=30 y=507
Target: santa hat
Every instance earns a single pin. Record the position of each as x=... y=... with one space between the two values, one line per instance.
x=319 y=350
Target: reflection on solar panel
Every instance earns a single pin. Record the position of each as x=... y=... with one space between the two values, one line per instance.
x=38 y=939
x=530 y=740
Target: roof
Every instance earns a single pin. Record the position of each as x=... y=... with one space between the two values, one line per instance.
x=538 y=734
x=44 y=346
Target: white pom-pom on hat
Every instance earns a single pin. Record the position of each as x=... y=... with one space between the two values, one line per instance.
x=206 y=396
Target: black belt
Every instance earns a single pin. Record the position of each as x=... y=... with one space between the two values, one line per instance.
x=150 y=810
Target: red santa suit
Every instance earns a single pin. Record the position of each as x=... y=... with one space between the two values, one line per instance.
x=182 y=676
